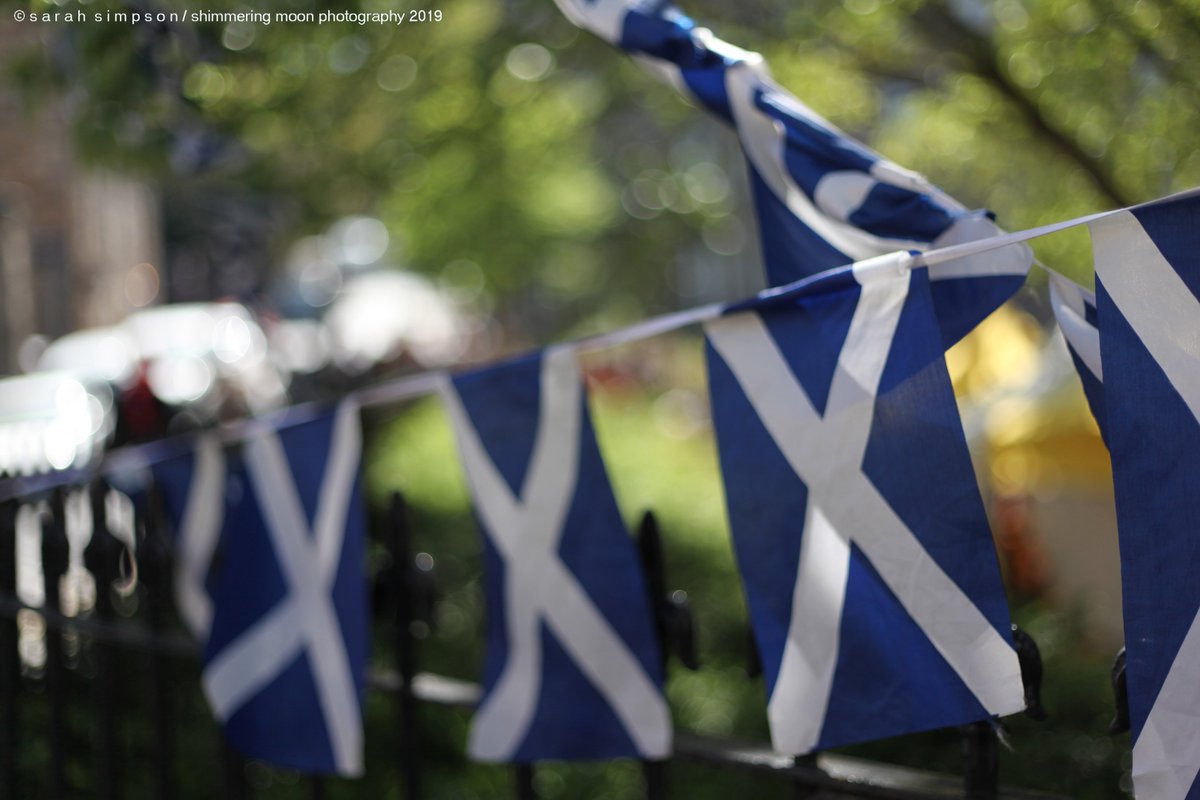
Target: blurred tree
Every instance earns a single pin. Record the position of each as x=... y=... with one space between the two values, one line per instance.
x=502 y=140
x=502 y=143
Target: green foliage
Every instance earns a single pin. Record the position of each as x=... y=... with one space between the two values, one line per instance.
x=492 y=136
x=503 y=136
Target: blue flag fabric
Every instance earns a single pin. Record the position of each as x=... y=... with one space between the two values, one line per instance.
x=572 y=669
x=1148 y=285
x=860 y=535
x=823 y=199
x=193 y=491
x=284 y=618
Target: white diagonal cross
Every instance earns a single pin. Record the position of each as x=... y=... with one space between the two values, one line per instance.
x=539 y=588
x=826 y=452
x=839 y=193
x=305 y=622
x=1165 y=315
x=1069 y=303
x=765 y=141
x=199 y=530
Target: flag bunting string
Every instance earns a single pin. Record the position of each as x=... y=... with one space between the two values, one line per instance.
x=133 y=458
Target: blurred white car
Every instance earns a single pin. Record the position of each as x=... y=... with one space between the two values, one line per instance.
x=208 y=360
x=383 y=315
x=52 y=421
x=188 y=353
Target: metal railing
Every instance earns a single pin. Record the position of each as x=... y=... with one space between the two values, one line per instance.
x=129 y=643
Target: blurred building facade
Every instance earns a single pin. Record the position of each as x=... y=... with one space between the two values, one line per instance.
x=79 y=247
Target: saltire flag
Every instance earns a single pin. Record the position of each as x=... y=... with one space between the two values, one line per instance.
x=823 y=199
x=572 y=669
x=1147 y=287
x=283 y=616
x=193 y=490
x=1075 y=310
x=860 y=535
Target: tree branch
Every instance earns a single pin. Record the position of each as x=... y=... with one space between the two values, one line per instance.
x=937 y=22
x=880 y=68
x=1149 y=47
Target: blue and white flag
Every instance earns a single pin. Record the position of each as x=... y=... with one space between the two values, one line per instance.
x=1148 y=285
x=285 y=656
x=572 y=669
x=865 y=554
x=823 y=199
x=1075 y=310
x=193 y=491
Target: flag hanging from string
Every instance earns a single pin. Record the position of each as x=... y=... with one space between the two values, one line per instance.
x=572 y=669
x=1147 y=287
x=1075 y=311
x=823 y=199
x=283 y=619
x=192 y=486
x=859 y=531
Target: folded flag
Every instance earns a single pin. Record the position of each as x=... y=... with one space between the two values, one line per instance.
x=823 y=199
x=572 y=669
x=1147 y=285
x=193 y=491
x=285 y=623
x=865 y=555
x=1075 y=310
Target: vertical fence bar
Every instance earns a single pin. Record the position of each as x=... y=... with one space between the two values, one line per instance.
x=983 y=761
x=673 y=627
x=233 y=766
x=10 y=667
x=55 y=549
x=155 y=573
x=100 y=557
x=523 y=778
x=801 y=788
x=649 y=543
x=399 y=541
x=1029 y=656
x=654 y=775
x=317 y=788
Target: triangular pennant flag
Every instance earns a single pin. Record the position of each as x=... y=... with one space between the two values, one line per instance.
x=860 y=535
x=1075 y=310
x=823 y=199
x=1148 y=292
x=193 y=492
x=572 y=669
x=285 y=657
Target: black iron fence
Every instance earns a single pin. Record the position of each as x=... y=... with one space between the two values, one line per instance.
x=103 y=701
